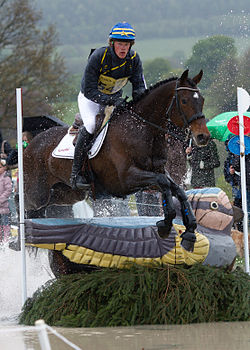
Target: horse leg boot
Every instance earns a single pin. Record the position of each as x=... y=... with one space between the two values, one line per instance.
x=77 y=180
x=189 y=220
x=164 y=226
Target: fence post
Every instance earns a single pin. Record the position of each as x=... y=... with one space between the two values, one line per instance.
x=42 y=334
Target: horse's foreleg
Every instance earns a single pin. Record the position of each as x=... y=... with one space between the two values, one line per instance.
x=139 y=179
x=164 y=226
x=189 y=220
x=168 y=188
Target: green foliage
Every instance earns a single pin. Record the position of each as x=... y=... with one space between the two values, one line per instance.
x=28 y=59
x=156 y=70
x=244 y=69
x=141 y=295
x=223 y=90
x=66 y=111
x=209 y=54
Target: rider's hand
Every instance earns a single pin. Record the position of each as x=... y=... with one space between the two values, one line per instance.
x=120 y=102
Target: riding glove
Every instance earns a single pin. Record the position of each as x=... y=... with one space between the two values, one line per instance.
x=120 y=102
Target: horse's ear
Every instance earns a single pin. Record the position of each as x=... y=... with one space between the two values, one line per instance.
x=184 y=76
x=198 y=77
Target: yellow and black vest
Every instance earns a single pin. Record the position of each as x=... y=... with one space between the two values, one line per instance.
x=106 y=83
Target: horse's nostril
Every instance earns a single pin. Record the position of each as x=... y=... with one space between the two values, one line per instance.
x=202 y=139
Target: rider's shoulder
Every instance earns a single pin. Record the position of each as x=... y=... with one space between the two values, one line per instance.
x=97 y=52
x=134 y=56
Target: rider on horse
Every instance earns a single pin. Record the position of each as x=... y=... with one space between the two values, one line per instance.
x=108 y=70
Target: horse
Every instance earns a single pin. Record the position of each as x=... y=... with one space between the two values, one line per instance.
x=132 y=157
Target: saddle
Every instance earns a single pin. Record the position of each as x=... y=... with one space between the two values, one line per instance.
x=102 y=118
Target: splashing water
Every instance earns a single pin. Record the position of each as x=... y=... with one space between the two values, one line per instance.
x=37 y=270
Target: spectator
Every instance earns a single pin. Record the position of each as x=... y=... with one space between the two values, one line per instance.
x=12 y=160
x=203 y=161
x=5 y=192
x=235 y=169
x=233 y=178
x=6 y=149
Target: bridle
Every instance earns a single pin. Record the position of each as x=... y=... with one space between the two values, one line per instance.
x=186 y=121
x=175 y=98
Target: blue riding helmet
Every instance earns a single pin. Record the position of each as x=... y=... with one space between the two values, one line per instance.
x=122 y=31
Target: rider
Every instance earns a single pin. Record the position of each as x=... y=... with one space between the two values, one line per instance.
x=108 y=70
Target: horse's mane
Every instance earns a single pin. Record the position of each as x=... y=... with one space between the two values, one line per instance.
x=153 y=87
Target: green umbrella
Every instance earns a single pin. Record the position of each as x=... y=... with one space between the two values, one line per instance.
x=218 y=125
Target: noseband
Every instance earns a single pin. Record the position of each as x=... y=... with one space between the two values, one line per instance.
x=175 y=98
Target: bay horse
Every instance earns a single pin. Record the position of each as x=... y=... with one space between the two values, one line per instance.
x=132 y=156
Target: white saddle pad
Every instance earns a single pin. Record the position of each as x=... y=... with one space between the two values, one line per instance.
x=66 y=149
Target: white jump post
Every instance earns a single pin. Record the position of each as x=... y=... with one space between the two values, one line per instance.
x=20 y=189
x=43 y=335
x=243 y=99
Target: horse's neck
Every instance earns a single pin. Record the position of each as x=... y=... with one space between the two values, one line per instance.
x=155 y=105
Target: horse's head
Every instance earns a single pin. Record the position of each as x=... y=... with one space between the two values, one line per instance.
x=187 y=105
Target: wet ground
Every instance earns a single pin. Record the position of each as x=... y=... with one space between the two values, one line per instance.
x=209 y=336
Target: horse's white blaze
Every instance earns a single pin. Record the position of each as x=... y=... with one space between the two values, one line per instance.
x=195 y=95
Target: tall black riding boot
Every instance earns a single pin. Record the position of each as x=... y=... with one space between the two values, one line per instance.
x=77 y=180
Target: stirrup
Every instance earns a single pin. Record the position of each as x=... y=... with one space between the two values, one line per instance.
x=77 y=183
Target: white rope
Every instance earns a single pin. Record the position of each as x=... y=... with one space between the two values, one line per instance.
x=32 y=328
x=62 y=338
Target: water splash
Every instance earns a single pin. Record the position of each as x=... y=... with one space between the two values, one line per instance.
x=38 y=272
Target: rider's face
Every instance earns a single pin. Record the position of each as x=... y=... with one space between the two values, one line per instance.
x=121 y=48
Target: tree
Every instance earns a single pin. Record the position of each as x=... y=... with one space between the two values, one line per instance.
x=222 y=94
x=28 y=59
x=156 y=70
x=232 y=73
x=208 y=54
x=244 y=68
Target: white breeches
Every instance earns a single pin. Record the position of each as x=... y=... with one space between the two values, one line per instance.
x=88 y=110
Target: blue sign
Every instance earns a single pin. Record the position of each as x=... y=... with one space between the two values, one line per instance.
x=234 y=145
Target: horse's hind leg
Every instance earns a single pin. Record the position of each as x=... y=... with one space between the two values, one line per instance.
x=36 y=192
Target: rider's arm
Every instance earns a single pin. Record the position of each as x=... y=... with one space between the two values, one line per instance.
x=137 y=78
x=89 y=86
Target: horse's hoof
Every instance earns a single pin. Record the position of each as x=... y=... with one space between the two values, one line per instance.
x=15 y=245
x=188 y=240
x=164 y=228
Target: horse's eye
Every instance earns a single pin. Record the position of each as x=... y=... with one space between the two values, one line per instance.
x=214 y=205
x=184 y=101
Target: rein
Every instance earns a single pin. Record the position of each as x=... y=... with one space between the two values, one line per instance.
x=164 y=130
x=172 y=125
